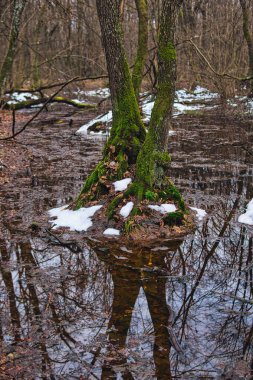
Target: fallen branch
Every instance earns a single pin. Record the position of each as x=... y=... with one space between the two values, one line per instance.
x=56 y=99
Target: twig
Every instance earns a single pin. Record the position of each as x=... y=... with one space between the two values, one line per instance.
x=40 y=110
x=213 y=70
x=48 y=87
x=13 y=122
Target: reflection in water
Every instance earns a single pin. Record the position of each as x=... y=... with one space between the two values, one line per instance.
x=181 y=310
x=146 y=270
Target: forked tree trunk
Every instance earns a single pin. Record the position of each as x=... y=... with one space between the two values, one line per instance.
x=249 y=40
x=153 y=158
x=125 y=146
x=18 y=8
x=142 y=10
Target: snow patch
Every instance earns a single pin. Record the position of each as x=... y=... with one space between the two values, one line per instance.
x=122 y=184
x=247 y=217
x=125 y=211
x=200 y=213
x=112 y=232
x=106 y=118
x=79 y=220
x=17 y=97
x=164 y=208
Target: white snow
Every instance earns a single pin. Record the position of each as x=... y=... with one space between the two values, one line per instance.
x=125 y=211
x=147 y=109
x=17 y=97
x=79 y=101
x=111 y=231
x=122 y=184
x=250 y=106
x=247 y=217
x=106 y=118
x=101 y=92
x=181 y=108
x=200 y=213
x=79 y=220
x=164 y=208
x=182 y=97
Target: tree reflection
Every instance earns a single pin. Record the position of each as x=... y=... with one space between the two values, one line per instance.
x=148 y=270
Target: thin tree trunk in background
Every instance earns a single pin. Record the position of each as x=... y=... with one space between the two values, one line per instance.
x=18 y=7
x=142 y=9
x=248 y=38
x=153 y=157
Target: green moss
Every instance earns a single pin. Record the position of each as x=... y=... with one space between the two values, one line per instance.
x=162 y=158
x=174 y=218
x=150 y=195
x=113 y=205
x=136 y=189
x=168 y=52
x=136 y=211
x=170 y=191
x=129 y=225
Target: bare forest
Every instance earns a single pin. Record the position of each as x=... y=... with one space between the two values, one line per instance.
x=126 y=193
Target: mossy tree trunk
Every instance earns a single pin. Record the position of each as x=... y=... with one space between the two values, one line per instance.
x=129 y=147
x=153 y=158
x=127 y=133
x=142 y=10
x=18 y=8
x=248 y=37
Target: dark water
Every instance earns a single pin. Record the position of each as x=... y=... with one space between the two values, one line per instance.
x=70 y=310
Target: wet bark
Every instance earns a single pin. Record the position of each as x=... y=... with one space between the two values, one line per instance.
x=127 y=122
x=127 y=133
x=248 y=38
x=18 y=8
x=142 y=9
x=153 y=158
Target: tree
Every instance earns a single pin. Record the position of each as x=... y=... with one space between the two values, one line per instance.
x=18 y=8
x=142 y=9
x=129 y=150
x=248 y=37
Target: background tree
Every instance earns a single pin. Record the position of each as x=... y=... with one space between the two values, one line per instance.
x=248 y=37
x=18 y=8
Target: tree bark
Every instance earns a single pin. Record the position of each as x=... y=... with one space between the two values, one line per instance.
x=153 y=158
x=127 y=133
x=125 y=151
x=249 y=40
x=142 y=9
x=18 y=7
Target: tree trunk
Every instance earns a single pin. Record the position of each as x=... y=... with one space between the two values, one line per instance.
x=249 y=40
x=126 y=154
x=127 y=133
x=18 y=7
x=142 y=9
x=153 y=158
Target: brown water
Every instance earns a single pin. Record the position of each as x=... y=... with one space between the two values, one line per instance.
x=181 y=310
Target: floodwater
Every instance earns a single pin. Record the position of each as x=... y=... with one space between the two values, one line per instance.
x=70 y=309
